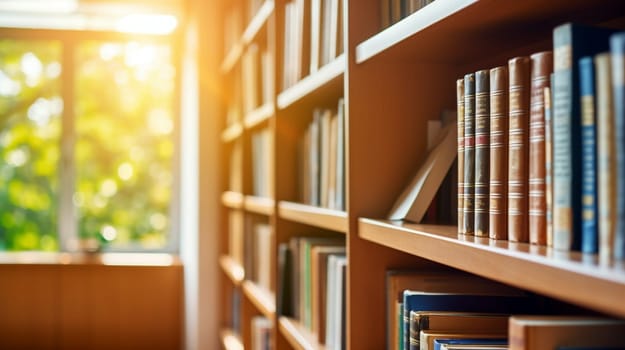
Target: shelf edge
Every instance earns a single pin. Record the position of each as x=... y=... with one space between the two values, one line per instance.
x=330 y=219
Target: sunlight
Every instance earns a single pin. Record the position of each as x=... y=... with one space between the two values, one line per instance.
x=147 y=24
x=138 y=55
x=32 y=68
x=125 y=171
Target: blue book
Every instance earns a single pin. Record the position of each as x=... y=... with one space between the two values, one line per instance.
x=590 y=242
x=424 y=301
x=439 y=342
x=570 y=43
x=617 y=49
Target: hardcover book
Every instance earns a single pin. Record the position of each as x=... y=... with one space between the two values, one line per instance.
x=570 y=42
x=617 y=49
x=606 y=158
x=460 y=137
x=469 y=153
x=482 y=148
x=439 y=341
x=589 y=242
x=498 y=183
x=518 y=151
x=549 y=165
x=542 y=67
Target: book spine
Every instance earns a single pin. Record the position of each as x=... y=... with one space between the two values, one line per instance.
x=617 y=47
x=469 y=152
x=589 y=161
x=482 y=158
x=414 y=331
x=460 y=114
x=606 y=157
x=541 y=68
x=498 y=153
x=548 y=165
x=519 y=98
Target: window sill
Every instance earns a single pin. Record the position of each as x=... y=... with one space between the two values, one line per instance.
x=79 y=258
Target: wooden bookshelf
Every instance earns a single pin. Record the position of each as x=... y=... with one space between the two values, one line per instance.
x=523 y=265
x=259 y=205
x=232 y=269
x=298 y=336
x=330 y=219
x=263 y=300
x=326 y=81
x=232 y=200
x=230 y=340
x=393 y=82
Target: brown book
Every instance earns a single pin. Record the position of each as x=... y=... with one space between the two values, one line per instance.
x=542 y=66
x=469 y=153
x=549 y=332
x=498 y=183
x=482 y=159
x=460 y=114
x=518 y=150
x=548 y=165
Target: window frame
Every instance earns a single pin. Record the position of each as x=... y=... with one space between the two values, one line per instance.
x=67 y=227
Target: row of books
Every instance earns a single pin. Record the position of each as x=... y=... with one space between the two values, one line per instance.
x=311 y=286
x=257 y=77
x=322 y=159
x=429 y=309
x=313 y=37
x=262 y=150
x=392 y=11
x=535 y=171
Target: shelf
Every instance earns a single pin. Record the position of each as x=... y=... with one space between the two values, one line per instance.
x=330 y=219
x=259 y=115
x=230 y=340
x=299 y=337
x=478 y=27
x=330 y=75
x=232 y=269
x=570 y=276
x=262 y=299
x=232 y=132
x=252 y=30
x=259 y=205
x=232 y=200
x=258 y=21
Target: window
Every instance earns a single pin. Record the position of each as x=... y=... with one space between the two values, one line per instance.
x=87 y=143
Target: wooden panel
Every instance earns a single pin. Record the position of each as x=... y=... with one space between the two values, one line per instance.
x=259 y=115
x=259 y=205
x=263 y=300
x=232 y=269
x=230 y=340
x=233 y=132
x=232 y=200
x=298 y=336
x=330 y=219
x=563 y=275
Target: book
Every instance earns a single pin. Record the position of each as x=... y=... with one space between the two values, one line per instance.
x=264 y=258
x=261 y=333
x=589 y=242
x=617 y=49
x=482 y=149
x=518 y=150
x=548 y=166
x=469 y=153
x=606 y=157
x=460 y=138
x=434 y=340
x=315 y=35
x=498 y=183
x=571 y=42
x=235 y=236
x=335 y=326
x=339 y=201
x=473 y=347
x=541 y=69
x=414 y=201
x=460 y=302
x=319 y=262
x=549 y=332
x=284 y=290
x=454 y=321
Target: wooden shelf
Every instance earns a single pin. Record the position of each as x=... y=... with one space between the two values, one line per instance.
x=252 y=30
x=232 y=133
x=230 y=340
x=570 y=276
x=260 y=18
x=259 y=115
x=477 y=27
x=232 y=269
x=259 y=205
x=262 y=299
x=330 y=75
x=330 y=219
x=299 y=337
x=232 y=200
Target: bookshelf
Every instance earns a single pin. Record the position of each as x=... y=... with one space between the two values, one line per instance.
x=393 y=81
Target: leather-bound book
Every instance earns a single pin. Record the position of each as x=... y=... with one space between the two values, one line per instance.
x=498 y=183
x=482 y=131
x=460 y=114
x=469 y=152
